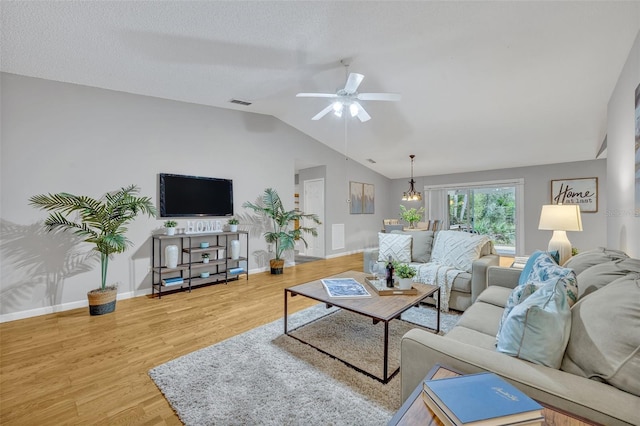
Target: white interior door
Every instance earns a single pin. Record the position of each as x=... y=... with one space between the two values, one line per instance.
x=313 y=202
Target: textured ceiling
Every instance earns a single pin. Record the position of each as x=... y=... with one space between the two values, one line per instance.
x=484 y=85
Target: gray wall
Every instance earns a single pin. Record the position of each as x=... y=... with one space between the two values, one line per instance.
x=62 y=137
x=623 y=216
x=537 y=191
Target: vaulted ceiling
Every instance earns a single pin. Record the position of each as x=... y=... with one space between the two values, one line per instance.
x=484 y=85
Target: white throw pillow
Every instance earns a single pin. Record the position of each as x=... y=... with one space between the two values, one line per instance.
x=457 y=249
x=398 y=246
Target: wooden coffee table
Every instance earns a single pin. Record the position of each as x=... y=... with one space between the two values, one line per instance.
x=415 y=412
x=378 y=308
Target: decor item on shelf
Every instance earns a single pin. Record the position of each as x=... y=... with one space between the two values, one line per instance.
x=171 y=256
x=412 y=194
x=233 y=224
x=101 y=222
x=204 y=275
x=278 y=226
x=412 y=215
x=204 y=244
x=205 y=257
x=171 y=227
x=235 y=249
x=405 y=273
x=560 y=218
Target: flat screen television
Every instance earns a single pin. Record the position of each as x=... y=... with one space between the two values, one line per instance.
x=195 y=196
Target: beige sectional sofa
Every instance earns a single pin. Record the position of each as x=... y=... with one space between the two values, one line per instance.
x=599 y=378
x=468 y=283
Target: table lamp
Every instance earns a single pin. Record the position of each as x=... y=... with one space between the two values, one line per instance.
x=560 y=218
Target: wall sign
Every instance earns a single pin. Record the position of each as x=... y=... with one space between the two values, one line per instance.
x=582 y=191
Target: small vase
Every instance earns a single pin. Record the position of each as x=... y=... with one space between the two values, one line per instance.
x=205 y=260
x=233 y=228
x=171 y=256
x=235 y=249
x=171 y=231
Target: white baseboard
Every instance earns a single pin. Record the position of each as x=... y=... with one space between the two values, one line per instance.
x=121 y=296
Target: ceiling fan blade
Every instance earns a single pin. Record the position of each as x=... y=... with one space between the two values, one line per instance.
x=322 y=113
x=316 y=95
x=362 y=114
x=353 y=82
x=379 y=96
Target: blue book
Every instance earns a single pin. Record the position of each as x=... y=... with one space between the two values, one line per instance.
x=481 y=399
x=172 y=281
x=236 y=271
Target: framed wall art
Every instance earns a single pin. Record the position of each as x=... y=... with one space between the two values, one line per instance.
x=582 y=191
x=362 y=196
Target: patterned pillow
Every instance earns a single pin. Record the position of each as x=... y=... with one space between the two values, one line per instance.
x=458 y=249
x=517 y=296
x=537 y=329
x=398 y=246
x=543 y=268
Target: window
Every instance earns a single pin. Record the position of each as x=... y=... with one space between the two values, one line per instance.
x=488 y=208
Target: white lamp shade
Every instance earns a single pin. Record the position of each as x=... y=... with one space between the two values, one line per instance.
x=560 y=217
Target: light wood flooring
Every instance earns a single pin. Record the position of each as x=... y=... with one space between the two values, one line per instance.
x=72 y=368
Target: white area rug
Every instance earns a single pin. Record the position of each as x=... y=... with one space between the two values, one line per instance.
x=263 y=377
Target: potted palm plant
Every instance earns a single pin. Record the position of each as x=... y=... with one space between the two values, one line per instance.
x=282 y=231
x=101 y=222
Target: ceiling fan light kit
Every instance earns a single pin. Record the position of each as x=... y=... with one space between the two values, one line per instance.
x=412 y=194
x=349 y=97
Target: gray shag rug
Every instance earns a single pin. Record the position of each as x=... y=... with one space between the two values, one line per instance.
x=263 y=377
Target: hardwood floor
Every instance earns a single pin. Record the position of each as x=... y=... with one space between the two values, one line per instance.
x=72 y=368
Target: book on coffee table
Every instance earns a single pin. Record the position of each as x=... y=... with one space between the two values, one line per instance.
x=480 y=399
x=344 y=288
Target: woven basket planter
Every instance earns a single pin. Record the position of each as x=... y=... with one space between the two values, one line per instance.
x=102 y=301
x=277 y=266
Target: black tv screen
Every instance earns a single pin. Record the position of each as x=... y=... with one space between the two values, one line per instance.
x=185 y=196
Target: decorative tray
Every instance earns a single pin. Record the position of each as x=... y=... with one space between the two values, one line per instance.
x=380 y=286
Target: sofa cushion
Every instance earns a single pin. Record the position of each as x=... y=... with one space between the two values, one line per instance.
x=517 y=296
x=398 y=246
x=457 y=249
x=588 y=258
x=495 y=295
x=597 y=276
x=421 y=244
x=607 y=351
x=528 y=267
x=537 y=329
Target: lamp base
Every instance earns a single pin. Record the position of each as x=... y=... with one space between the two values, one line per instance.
x=560 y=243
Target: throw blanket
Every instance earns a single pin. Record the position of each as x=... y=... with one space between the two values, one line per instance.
x=440 y=275
x=453 y=253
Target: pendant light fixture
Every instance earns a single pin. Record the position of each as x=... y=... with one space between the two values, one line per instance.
x=412 y=194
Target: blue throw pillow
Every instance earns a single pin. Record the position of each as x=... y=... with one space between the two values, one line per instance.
x=537 y=330
x=524 y=275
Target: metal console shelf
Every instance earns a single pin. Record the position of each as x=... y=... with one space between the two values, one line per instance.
x=190 y=263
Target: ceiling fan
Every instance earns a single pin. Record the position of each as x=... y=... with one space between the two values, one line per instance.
x=349 y=97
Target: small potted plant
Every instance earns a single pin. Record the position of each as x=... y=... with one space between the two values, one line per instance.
x=171 y=227
x=411 y=215
x=405 y=273
x=233 y=224
x=205 y=257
